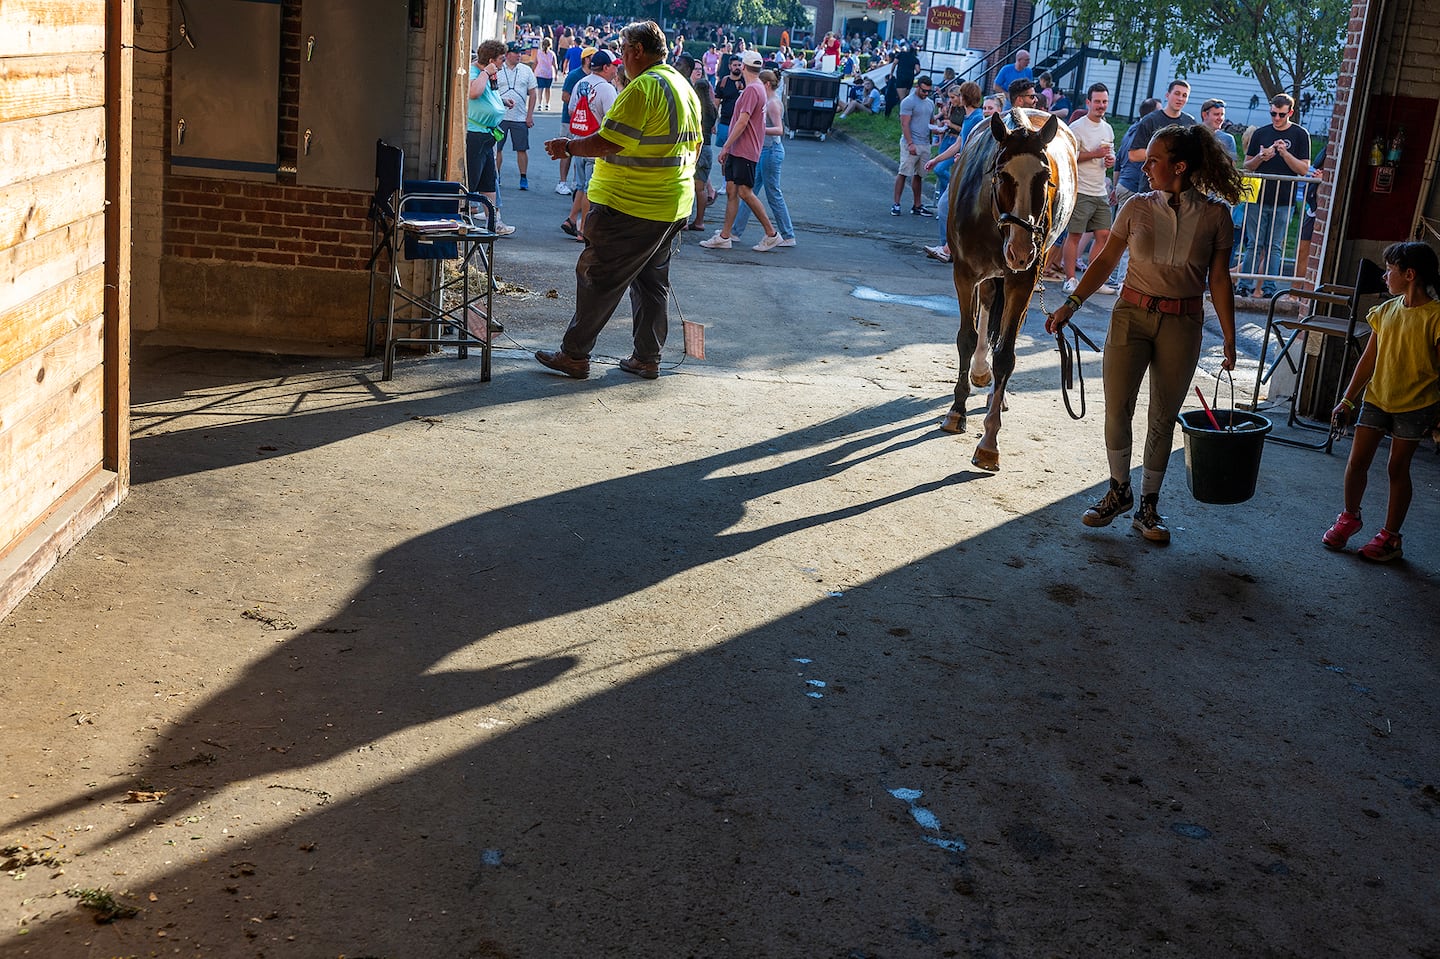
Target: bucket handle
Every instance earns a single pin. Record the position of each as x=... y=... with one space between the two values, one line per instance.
x=1215 y=398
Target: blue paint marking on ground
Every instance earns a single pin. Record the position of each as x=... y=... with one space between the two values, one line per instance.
x=816 y=695
x=802 y=661
x=943 y=305
x=815 y=682
x=492 y=857
x=927 y=820
x=1190 y=830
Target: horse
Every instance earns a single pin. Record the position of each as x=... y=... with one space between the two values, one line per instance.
x=1010 y=200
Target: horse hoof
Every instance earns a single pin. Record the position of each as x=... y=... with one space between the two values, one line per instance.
x=988 y=460
x=981 y=380
x=954 y=422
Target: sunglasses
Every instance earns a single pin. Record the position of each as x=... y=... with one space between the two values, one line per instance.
x=1279 y=113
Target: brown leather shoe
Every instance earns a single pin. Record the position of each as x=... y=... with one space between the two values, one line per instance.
x=639 y=367
x=558 y=361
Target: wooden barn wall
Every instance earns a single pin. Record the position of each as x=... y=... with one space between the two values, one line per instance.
x=53 y=164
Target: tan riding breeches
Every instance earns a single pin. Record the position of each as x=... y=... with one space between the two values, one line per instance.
x=1166 y=345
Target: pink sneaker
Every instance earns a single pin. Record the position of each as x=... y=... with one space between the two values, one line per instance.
x=1383 y=548
x=1346 y=526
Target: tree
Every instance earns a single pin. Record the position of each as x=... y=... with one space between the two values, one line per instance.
x=745 y=13
x=1288 y=46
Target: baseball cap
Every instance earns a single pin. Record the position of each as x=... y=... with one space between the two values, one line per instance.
x=601 y=58
x=513 y=47
x=587 y=52
x=751 y=58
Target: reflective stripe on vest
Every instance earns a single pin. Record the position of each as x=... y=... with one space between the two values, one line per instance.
x=674 y=137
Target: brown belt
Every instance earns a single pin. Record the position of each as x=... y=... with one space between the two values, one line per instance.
x=1155 y=304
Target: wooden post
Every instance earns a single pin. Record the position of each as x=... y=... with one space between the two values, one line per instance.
x=456 y=91
x=119 y=137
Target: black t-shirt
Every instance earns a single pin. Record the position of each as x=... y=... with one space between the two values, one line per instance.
x=1271 y=191
x=906 y=63
x=1152 y=124
x=727 y=91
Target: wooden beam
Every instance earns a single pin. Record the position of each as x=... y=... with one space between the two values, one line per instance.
x=43 y=145
x=41 y=86
x=33 y=27
x=119 y=263
x=30 y=558
x=30 y=327
x=49 y=260
x=37 y=379
x=49 y=451
x=32 y=207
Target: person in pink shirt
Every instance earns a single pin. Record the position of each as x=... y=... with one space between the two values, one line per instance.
x=711 y=61
x=739 y=157
x=544 y=71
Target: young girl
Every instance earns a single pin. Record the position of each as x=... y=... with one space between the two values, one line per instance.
x=1399 y=373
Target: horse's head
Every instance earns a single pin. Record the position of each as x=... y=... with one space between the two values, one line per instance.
x=1023 y=187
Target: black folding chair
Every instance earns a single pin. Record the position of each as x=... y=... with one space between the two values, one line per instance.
x=435 y=221
x=1334 y=313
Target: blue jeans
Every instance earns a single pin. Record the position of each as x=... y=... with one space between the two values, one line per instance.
x=1266 y=226
x=767 y=177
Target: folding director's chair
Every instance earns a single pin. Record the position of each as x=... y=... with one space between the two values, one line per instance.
x=1334 y=312
x=429 y=220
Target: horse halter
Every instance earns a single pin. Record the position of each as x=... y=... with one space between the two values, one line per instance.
x=1007 y=218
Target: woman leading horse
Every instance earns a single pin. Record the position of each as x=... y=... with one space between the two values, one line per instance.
x=1179 y=237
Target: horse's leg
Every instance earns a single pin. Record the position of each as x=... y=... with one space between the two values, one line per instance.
x=1018 y=289
x=980 y=374
x=965 y=339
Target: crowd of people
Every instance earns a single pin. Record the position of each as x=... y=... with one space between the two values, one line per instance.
x=645 y=122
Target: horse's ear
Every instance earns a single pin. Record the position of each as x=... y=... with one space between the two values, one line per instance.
x=1048 y=131
x=997 y=127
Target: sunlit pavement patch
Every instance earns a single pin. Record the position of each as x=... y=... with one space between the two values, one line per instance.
x=943 y=305
x=927 y=820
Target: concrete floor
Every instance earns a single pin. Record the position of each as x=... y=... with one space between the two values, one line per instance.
x=747 y=661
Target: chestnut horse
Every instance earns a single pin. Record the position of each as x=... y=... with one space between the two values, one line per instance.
x=1010 y=200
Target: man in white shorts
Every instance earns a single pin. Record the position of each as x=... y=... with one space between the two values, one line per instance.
x=1095 y=140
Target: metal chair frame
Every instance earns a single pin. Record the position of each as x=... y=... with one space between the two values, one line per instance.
x=428 y=220
x=1334 y=312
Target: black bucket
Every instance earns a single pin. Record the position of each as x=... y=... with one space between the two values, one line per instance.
x=1222 y=465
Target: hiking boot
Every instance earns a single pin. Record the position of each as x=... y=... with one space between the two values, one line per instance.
x=1117 y=501
x=1383 y=548
x=1148 y=520
x=1346 y=525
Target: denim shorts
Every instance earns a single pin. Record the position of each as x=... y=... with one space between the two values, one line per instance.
x=1411 y=425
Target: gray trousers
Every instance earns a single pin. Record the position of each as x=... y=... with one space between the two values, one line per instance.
x=622 y=252
x=1166 y=345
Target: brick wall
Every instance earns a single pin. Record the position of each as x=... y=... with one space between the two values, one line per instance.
x=992 y=23
x=275 y=223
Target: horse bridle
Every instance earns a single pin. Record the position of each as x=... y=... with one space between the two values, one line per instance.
x=1006 y=218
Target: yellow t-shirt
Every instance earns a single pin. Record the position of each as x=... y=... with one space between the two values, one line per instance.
x=1407 y=366
x=656 y=120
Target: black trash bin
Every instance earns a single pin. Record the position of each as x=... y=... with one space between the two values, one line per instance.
x=810 y=99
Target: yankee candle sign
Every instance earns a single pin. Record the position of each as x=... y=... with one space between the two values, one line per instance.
x=945 y=18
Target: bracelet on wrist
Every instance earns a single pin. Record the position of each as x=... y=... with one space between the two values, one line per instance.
x=1346 y=402
x=1074 y=302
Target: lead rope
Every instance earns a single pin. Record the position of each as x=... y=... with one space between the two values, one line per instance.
x=1071 y=372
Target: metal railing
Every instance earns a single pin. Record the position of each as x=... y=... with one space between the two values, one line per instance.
x=1267 y=231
